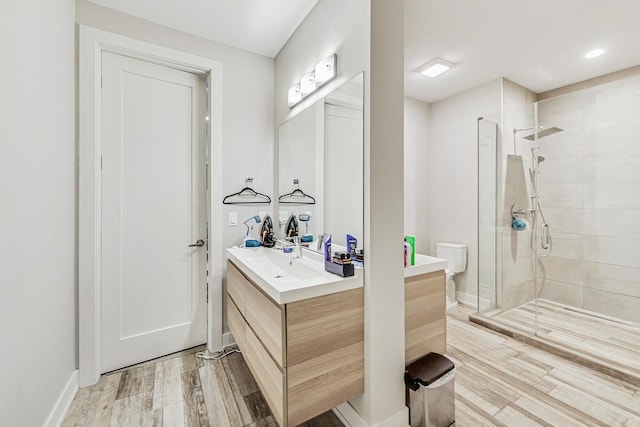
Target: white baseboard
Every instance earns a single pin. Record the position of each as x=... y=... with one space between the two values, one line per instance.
x=399 y=419
x=467 y=299
x=350 y=417
x=64 y=402
x=472 y=300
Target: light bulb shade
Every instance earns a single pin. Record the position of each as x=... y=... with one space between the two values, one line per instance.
x=307 y=84
x=293 y=95
x=325 y=70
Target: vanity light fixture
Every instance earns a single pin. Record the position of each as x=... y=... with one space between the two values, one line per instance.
x=594 y=53
x=324 y=71
x=435 y=67
x=293 y=95
x=307 y=84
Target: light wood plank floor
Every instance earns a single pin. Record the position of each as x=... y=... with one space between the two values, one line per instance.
x=614 y=344
x=499 y=382
x=179 y=390
x=505 y=382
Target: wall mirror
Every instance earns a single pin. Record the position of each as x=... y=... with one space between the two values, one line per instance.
x=321 y=154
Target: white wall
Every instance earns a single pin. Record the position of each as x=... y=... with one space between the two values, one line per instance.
x=416 y=172
x=37 y=208
x=453 y=172
x=367 y=36
x=247 y=106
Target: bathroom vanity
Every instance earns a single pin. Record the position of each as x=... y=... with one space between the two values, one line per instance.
x=424 y=307
x=300 y=330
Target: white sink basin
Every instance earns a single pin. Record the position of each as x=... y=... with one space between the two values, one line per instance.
x=286 y=278
x=277 y=265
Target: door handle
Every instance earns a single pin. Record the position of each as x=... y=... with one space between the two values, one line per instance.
x=199 y=243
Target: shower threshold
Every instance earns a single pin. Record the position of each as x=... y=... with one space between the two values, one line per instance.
x=605 y=344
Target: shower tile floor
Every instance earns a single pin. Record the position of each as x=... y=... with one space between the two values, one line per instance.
x=600 y=342
x=499 y=382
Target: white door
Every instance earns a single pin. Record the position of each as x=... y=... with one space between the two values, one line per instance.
x=153 y=207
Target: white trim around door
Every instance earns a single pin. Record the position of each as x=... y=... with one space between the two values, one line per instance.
x=92 y=43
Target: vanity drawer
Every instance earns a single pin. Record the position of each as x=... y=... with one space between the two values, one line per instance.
x=236 y=286
x=236 y=324
x=267 y=374
x=267 y=320
x=263 y=315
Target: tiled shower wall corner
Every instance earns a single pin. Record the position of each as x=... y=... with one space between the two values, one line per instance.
x=590 y=195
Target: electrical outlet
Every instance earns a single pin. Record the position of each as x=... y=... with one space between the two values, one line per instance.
x=233 y=219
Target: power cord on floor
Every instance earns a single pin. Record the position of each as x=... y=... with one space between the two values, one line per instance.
x=206 y=355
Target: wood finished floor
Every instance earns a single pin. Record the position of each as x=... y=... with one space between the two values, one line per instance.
x=499 y=382
x=505 y=382
x=179 y=390
x=613 y=342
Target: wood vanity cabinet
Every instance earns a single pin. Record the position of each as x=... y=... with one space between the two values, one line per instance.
x=306 y=356
x=425 y=325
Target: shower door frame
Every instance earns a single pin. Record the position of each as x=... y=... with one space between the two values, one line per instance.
x=497 y=202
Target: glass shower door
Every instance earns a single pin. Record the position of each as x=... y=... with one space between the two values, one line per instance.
x=488 y=280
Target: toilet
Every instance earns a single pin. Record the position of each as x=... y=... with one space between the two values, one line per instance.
x=456 y=255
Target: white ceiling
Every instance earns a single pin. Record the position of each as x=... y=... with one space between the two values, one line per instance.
x=260 y=26
x=539 y=44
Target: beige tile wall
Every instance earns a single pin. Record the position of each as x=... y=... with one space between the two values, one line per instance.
x=589 y=186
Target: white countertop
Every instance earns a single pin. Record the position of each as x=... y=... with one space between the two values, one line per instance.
x=425 y=264
x=287 y=279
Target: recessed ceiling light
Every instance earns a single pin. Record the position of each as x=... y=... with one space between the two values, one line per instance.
x=593 y=53
x=435 y=67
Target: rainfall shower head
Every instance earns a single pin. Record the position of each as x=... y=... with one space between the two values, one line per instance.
x=542 y=132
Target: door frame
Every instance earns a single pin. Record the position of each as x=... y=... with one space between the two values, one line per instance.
x=92 y=42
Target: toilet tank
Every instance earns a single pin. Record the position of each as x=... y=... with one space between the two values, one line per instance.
x=455 y=253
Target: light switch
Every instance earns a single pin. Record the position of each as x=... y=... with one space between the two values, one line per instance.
x=233 y=219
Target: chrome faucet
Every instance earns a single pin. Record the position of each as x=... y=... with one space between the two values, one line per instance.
x=320 y=241
x=297 y=247
x=292 y=242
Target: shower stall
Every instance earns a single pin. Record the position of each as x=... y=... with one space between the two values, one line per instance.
x=559 y=225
